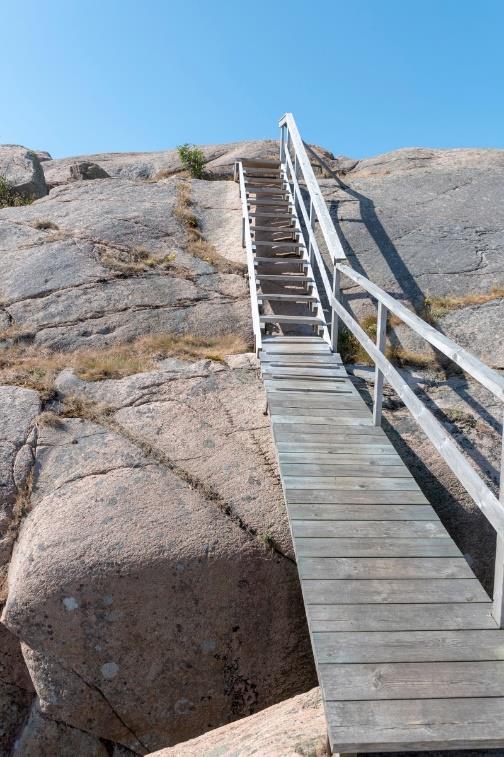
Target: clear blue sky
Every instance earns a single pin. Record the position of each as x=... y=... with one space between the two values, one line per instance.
x=361 y=76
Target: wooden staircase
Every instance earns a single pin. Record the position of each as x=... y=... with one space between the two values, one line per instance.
x=408 y=646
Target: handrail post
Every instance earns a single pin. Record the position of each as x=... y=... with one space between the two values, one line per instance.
x=498 y=588
x=282 y=143
x=334 y=316
x=381 y=334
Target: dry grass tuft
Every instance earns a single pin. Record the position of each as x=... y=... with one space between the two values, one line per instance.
x=33 y=369
x=44 y=224
x=437 y=307
x=349 y=347
x=78 y=407
x=132 y=261
x=50 y=419
x=196 y=244
x=404 y=357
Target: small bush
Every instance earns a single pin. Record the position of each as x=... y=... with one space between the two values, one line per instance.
x=192 y=160
x=9 y=198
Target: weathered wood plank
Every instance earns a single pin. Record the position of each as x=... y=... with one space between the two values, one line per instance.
x=395 y=591
x=342 y=529
x=358 y=445
x=290 y=470
x=346 y=496
x=408 y=646
x=412 y=680
x=360 y=512
x=348 y=410
x=348 y=483
x=324 y=461
x=401 y=617
x=383 y=567
x=303 y=372
x=365 y=435
x=321 y=401
x=416 y=724
x=343 y=419
x=351 y=547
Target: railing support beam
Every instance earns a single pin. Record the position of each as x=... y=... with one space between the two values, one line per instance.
x=336 y=289
x=381 y=336
x=498 y=588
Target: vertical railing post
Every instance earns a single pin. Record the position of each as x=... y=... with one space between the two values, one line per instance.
x=312 y=223
x=282 y=144
x=334 y=315
x=381 y=335
x=498 y=589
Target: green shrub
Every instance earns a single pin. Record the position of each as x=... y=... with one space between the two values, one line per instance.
x=192 y=159
x=8 y=197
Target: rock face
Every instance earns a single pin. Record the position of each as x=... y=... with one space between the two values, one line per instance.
x=152 y=593
x=22 y=170
x=425 y=224
x=72 y=274
x=295 y=727
x=172 y=604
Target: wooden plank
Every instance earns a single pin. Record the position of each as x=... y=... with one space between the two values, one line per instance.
x=416 y=724
x=412 y=680
x=409 y=646
x=367 y=435
x=357 y=511
x=308 y=385
x=323 y=372
x=326 y=460
x=365 y=446
x=320 y=402
x=352 y=470
x=351 y=547
x=346 y=496
x=407 y=529
x=397 y=617
x=291 y=360
x=349 y=483
x=343 y=418
x=395 y=591
x=326 y=568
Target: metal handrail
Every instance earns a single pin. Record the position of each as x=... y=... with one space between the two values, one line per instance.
x=483 y=496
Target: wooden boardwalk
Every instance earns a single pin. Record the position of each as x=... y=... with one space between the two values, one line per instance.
x=408 y=654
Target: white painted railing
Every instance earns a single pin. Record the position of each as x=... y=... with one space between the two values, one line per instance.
x=296 y=167
x=247 y=243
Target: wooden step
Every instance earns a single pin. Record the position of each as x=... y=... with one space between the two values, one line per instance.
x=287 y=297
x=277 y=245
x=276 y=260
x=276 y=229
x=265 y=190
x=269 y=203
x=279 y=215
x=306 y=319
x=285 y=279
x=259 y=162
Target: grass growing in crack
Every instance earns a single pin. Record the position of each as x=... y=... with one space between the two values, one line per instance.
x=33 y=369
x=437 y=307
x=352 y=351
x=349 y=347
x=192 y=159
x=44 y=224
x=19 y=510
x=196 y=244
x=9 y=198
x=132 y=261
